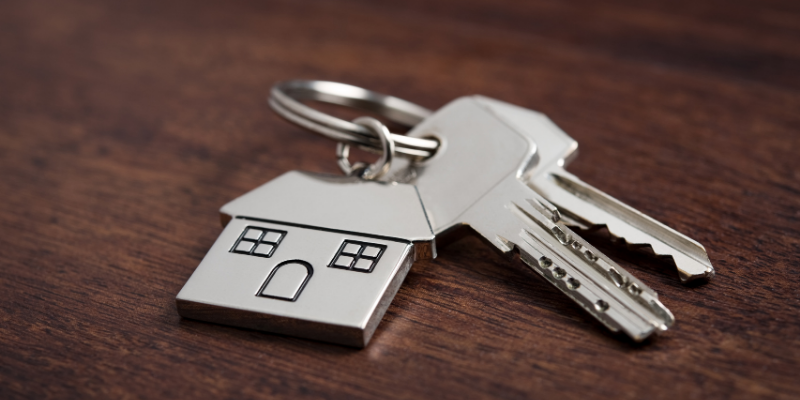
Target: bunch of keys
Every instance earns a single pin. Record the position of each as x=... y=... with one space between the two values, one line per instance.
x=322 y=257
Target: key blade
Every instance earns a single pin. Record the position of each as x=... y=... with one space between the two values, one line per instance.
x=588 y=207
x=601 y=286
x=526 y=221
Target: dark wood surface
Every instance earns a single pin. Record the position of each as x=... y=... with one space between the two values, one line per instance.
x=125 y=126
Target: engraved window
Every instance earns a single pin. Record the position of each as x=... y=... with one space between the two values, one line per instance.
x=357 y=256
x=257 y=241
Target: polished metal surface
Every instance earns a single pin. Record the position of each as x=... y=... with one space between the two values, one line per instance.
x=310 y=255
x=477 y=179
x=380 y=167
x=586 y=207
x=285 y=100
x=581 y=204
x=500 y=169
x=344 y=203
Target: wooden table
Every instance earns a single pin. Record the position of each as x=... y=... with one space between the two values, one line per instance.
x=125 y=126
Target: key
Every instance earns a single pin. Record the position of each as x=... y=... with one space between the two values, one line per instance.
x=487 y=175
x=310 y=255
x=586 y=207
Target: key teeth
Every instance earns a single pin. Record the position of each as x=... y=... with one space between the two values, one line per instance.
x=685 y=276
x=689 y=256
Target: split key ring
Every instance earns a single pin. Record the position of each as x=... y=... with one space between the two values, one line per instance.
x=285 y=99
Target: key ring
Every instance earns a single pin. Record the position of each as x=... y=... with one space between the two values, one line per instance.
x=379 y=167
x=285 y=96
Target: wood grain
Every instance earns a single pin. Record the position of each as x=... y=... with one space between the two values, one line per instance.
x=124 y=126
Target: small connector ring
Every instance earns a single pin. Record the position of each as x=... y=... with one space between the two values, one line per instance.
x=378 y=168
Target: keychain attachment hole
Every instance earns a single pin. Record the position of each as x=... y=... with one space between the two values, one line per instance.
x=379 y=167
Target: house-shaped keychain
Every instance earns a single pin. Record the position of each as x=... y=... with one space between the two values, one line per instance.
x=310 y=255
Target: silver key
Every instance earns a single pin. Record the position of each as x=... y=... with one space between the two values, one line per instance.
x=584 y=206
x=494 y=171
x=309 y=255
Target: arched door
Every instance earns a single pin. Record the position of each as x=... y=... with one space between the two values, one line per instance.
x=287 y=280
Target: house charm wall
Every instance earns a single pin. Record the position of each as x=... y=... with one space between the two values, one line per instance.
x=311 y=256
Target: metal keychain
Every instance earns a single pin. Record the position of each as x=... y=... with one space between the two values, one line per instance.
x=499 y=169
x=312 y=255
x=285 y=100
